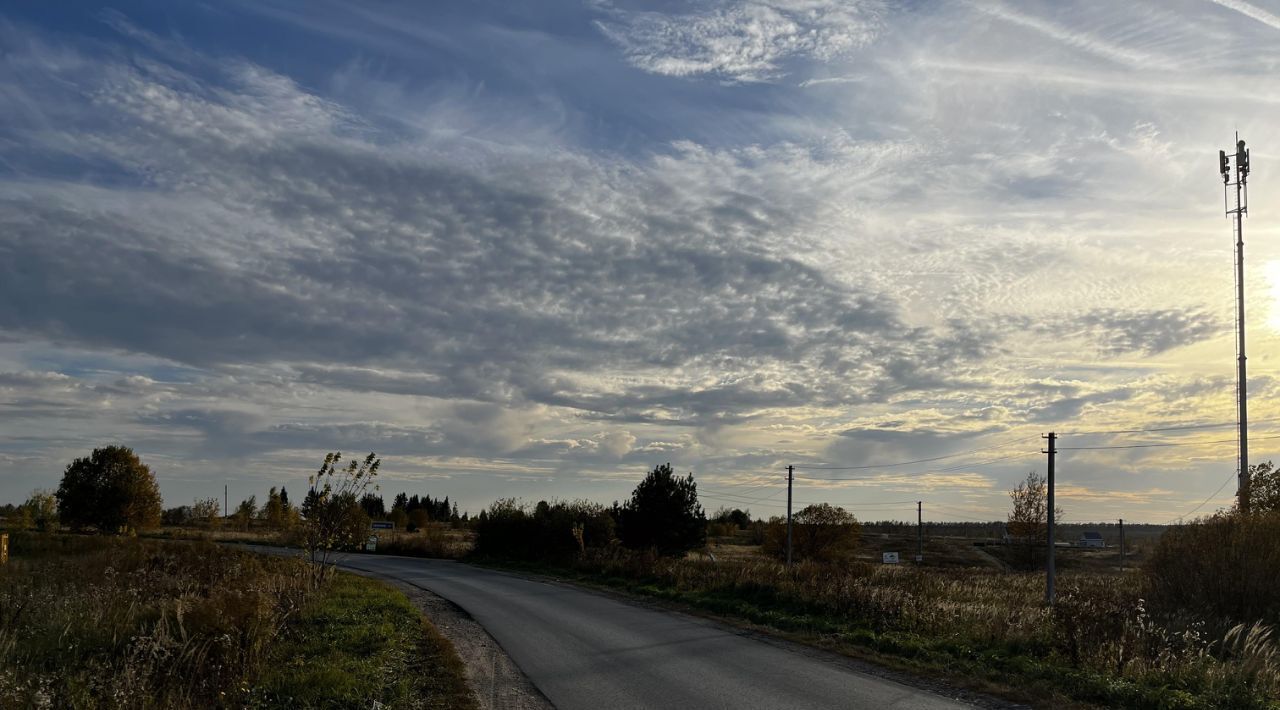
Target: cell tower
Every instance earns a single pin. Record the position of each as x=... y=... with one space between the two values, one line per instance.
x=1241 y=208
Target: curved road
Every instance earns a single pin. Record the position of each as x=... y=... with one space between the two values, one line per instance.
x=587 y=650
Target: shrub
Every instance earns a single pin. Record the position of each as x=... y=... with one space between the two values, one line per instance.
x=1224 y=567
x=335 y=520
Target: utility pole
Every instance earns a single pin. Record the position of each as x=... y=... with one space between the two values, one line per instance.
x=790 y=476
x=919 y=531
x=225 y=502
x=1052 y=451
x=1122 y=544
x=1241 y=160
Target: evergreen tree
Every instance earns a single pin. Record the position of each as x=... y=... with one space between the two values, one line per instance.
x=663 y=514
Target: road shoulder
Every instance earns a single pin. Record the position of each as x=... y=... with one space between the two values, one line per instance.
x=495 y=680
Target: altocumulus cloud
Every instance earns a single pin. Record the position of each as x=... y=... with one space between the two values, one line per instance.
x=241 y=220
x=746 y=234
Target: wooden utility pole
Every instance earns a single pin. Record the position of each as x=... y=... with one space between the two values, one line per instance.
x=790 y=476
x=1121 y=544
x=1049 y=570
x=919 y=532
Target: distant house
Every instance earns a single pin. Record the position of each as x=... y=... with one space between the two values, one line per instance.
x=1091 y=539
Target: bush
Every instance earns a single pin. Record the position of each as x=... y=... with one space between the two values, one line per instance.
x=663 y=514
x=111 y=490
x=551 y=530
x=819 y=532
x=1224 y=567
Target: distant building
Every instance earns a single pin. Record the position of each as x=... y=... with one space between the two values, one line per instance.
x=1091 y=539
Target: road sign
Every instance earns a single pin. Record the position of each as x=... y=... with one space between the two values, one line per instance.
x=890 y=558
x=382 y=525
x=371 y=545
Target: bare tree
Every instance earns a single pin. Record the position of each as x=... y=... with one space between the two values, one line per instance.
x=1029 y=519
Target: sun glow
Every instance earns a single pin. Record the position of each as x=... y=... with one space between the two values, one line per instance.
x=1272 y=271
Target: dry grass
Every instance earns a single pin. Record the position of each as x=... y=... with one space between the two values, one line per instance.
x=1098 y=644
x=103 y=622
x=106 y=622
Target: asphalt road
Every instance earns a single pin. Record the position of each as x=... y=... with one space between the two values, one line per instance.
x=591 y=651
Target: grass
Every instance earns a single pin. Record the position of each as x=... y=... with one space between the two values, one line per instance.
x=106 y=622
x=362 y=641
x=984 y=630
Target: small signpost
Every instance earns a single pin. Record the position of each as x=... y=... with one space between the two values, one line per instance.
x=890 y=558
x=371 y=545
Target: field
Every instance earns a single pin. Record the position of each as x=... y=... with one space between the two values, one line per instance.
x=103 y=622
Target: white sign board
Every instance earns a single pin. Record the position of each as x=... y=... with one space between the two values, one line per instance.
x=890 y=558
x=371 y=545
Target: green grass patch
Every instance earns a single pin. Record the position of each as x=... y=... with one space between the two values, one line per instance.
x=358 y=642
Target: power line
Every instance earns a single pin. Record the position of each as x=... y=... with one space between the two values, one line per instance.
x=1203 y=502
x=730 y=497
x=1145 y=431
x=1216 y=425
x=1161 y=444
x=908 y=463
x=925 y=473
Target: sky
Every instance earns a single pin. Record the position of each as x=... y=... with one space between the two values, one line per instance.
x=532 y=250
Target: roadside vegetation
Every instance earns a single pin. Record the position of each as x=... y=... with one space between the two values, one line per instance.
x=103 y=622
x=1187 y=624
x=107 y=619
x=1191 y=629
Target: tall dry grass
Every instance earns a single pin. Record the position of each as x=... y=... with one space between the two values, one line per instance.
x=105 y=622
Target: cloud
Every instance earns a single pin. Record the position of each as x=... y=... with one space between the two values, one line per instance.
x=1144 y=332
x=740 y=41
x=876 y=234
x=1251 y=11
x=279 y=231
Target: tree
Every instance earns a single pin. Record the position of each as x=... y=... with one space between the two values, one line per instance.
x=40 y=511
x=736 y=517
x=818 y=532
x=246 y=511
x=111 y=490
x=663 y=514
x=334 y=518
x=1264 y=488
x=178 y=516
x=1029 y=519
x=273 y=510
x=207 y=511
x=373 y=506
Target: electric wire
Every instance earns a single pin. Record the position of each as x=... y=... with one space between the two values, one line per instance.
x=948 y=469
x=915 y=461
x=1203 y=502
x=1159 y=444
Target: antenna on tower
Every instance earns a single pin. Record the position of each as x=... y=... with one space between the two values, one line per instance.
x=1237 y=166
